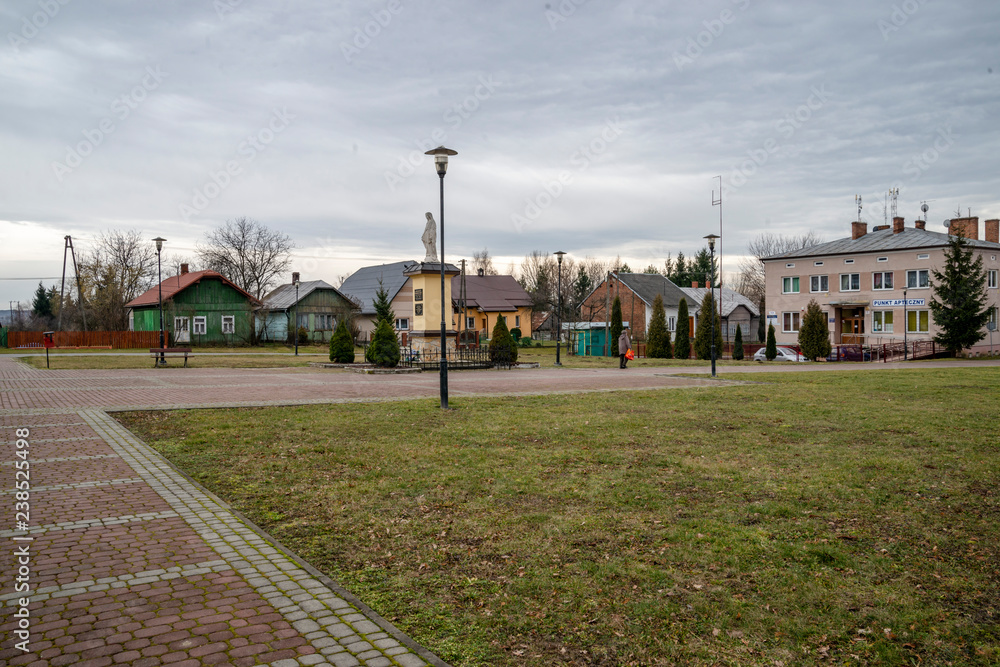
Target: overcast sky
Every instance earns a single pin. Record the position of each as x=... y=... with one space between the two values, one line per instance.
x=591 y=127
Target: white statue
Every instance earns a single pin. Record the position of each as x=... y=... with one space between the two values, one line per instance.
x=430 y=239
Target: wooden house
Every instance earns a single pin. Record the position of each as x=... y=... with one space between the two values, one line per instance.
x=199 y=308
x=317 y=306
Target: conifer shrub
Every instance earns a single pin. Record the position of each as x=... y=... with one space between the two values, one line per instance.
x=341 y=345
x=383 y=351
x=682 y=340
x=658 y=337
x=771 y=350
x=503 y=348
x=738 y=344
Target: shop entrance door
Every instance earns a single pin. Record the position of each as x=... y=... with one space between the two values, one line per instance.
x=852 y=326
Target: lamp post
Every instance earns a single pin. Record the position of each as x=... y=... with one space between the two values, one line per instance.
x=159 y=277
x=905 y=323
x=441 y=165
x=711 y=322
x=296 y=334
x=559 y=255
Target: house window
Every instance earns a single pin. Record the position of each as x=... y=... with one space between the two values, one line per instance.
x=882 y=259
x=817 y=263
x=418 y=309
x=182 y=334
x=882 y=321
x=882 y=280
x=228 y=324
x=470 y=323
x=790 y=266
x=418 y=294
x=991 y=278
x=923 y=256
x=917 y=279
x=671 y=323
x=790 y=285
x=131 y=320
x=993 y=316
x=918 y=321
x=517 y=321
x=303 y=320
x=402 y=323
x=790 y=322
x=819 y=283
x=848 y=261
x=850 y=282
x=199 y=325
x=323 y=322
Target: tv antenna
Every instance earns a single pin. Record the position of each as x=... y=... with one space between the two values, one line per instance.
x=857 y=200
x=893 y=196
x=924 y=207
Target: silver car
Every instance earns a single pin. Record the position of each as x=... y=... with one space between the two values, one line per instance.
x=784 y=354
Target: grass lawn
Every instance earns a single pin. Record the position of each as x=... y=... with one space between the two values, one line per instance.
x=813 y=518
x=108 y=361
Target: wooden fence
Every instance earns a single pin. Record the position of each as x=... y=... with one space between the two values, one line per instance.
x=118 y=340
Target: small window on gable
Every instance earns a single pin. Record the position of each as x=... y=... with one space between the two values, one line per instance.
x=817 y=263
x=882 y=259
x=924 y=256
x=848 y=261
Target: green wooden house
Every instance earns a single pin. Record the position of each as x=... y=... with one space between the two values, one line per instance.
x=316 y=305
x=199 y=308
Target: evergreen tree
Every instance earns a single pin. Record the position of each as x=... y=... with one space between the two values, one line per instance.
x=959 y=304
x=341 y=345
x=682 y=337
x=814 y=334
x=582 y=287
x=738 y=344
x=383 y=351
x=383 y=306
x=707 y=318
x=658 y=338
x=702 y=269
x=41 y=305
x=680 y=276
x=761 y=330
x=616 y=327
x=503 y=347
x=771 y=351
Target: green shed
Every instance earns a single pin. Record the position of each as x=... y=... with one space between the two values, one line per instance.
x=318 y=306
x=199 y=308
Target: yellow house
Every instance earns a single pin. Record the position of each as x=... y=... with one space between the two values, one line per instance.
x=487 y=298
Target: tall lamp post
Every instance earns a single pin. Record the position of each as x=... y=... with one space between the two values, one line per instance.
x=711 y=322
x=559 y=308
x=296 y=334
x=441 y=165
x=159 y=278
x=905 y=323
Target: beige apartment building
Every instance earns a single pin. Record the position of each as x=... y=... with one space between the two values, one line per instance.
x=875 y=287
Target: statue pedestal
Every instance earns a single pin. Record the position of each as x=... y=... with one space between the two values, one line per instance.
x=425 y=334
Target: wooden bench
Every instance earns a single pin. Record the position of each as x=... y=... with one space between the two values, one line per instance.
x=157 y=352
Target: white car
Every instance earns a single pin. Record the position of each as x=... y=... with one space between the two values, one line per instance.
x=784 y=354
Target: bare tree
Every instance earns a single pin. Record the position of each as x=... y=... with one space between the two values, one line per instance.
x=537 y=275
x=173 y=263
x=750 y=282
x=248 y=253
x=481 y=261
x=120 y=267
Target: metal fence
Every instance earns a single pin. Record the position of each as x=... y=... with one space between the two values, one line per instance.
x=462 y=359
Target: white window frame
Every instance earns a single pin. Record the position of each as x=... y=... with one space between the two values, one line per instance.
x=924 y=256
x=671 y=323
x=817 y=263
x=917 y=274
x=882 y=259
x=991 y=278
x=200 y=325
x=228 y=324
x=883 y=274
x=852 y=279
x=470 y=322
x=882 y=321
x=131 y=320
x=517 y=321
x=402 y=323
x=794 y=319
x=848 y=261
x=790 y=265
x=182 y=330
x=788 y=282
x=820 y=280
x=916 y=314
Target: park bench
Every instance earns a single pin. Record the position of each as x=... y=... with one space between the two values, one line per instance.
x=157 y=352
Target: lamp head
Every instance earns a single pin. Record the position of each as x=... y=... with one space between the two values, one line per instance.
x=159 y=243
x=441 y=158
x=711 y=240
x=559 y=255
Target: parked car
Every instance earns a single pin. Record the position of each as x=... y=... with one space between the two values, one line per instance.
x=784 y=354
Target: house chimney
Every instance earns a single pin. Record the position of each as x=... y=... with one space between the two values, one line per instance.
x=992 y=231
x=694 y=284
x=969 y=227
x=295 y=277
x=858 y=229
x=897 y=225
x=480 y=272
x=184 y=269
x=708 y=284
x=920 y=224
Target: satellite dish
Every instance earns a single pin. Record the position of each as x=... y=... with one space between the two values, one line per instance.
x=924 y=208
x=947 y=224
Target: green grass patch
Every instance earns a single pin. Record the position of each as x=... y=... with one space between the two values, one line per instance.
x=813 y=518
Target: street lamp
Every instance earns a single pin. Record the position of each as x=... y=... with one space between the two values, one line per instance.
x=905 y=323
x=711 y=322
x=296 y=281
x=559 y=308
x=441 y=164
x=159 y=278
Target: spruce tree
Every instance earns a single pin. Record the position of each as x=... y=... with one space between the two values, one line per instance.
x=41 y=305
x=383 y=306
x=616 y=327
x=738 y=344
x=658 y=338
x=959 y=304
x=503 y=348
x=341 y=345
x=708 y=317
x=682 y=337
x=771 y=351
x=383 y=351
x=814 y=334
x=761 y=330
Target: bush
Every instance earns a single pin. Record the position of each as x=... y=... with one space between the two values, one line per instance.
x=738 y=344
x=515 y=333
x=524 y=342
x=708 y=316
x=341 y=345
x=503 y=350
x=383 y=351
x=771 y=351
x=814 y=334
x=303 y=336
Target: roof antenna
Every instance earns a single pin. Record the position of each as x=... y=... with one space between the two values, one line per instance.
x=893 y=195
x=924 y=208
x=857 y=200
